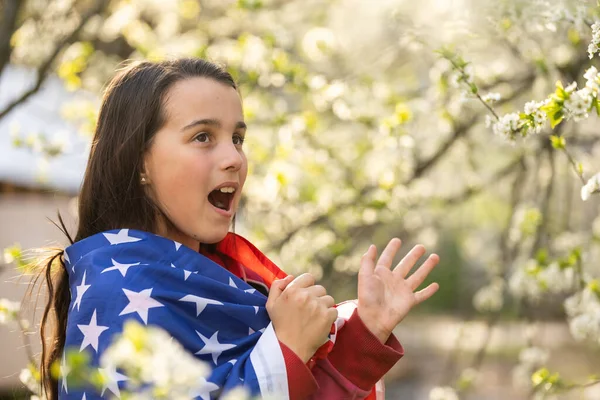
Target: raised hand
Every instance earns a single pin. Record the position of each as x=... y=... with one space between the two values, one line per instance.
x=301 y=313
x=385 y=296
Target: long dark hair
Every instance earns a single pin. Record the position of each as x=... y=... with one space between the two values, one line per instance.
x=112 y=196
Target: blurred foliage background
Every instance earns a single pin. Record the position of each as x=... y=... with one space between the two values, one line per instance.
x=359 y=130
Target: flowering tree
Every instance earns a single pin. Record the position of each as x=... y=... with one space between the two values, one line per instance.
x=359 y=135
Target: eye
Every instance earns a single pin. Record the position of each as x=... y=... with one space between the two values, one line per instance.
x=202 y=137
x=238 y=139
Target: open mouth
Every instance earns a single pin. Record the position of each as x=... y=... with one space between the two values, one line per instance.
x=222 y=198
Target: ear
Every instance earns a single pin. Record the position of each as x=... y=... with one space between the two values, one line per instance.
x=144 y=176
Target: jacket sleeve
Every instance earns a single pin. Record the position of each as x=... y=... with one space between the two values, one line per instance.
x=350 y=371
x=359 y=355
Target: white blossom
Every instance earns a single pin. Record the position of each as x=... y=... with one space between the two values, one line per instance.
x=532 y=108
x=8 y=310
x=521 y=376
x=578 y=104
x=592 y=186
x=26 y=377
x=318 y=42
x=533 y=357
x=489 y=298
x=524 y=284
x=571 y=88
x=595 y=43
x=491 y=97
x=555 y=279
x=585 y=326
x=583 y=308
x=239 y=393
x=507 y=125
x=592 y=80
x=443 y=393
x=463 y=79
x=150 y=356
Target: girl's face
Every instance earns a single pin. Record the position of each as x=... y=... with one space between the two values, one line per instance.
x=195 y=168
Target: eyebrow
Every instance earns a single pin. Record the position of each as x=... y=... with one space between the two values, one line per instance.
x=213 y=122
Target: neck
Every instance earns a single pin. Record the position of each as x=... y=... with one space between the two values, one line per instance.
x=170 y=232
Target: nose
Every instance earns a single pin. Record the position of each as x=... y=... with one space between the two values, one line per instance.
x=231 y=158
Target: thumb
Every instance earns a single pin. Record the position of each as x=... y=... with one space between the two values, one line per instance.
x=277 y=288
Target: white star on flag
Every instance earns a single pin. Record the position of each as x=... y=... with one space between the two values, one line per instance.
x=232 y=283
x=255 y=309
x=212 y=346
x=122 y=268
x=83 y=398
x=201 y=302
x=91 y=333
x=250 y=290
x=111 y=381
x=64 y=372
x=66 y=257
x=177 y=245
x=140 y=303
x=81 y=289
x=251 y=331
x=186 y=274
x=121 y=237
x=203 y=391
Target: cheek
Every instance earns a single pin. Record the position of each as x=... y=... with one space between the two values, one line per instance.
x=244 y=170
x=179 y=177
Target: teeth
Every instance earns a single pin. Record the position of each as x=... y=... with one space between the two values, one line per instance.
x=227 y=190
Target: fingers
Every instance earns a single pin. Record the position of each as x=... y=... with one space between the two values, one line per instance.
x=421 y=274
x=332 y=314
x=406 y=264
x=316 y=291
x=277 y=288
x=367 y=262
x=327 y=301
x=426 y=293
x=303 y=281
x=389 y=252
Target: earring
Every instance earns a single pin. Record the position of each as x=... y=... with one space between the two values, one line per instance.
x=143 y=180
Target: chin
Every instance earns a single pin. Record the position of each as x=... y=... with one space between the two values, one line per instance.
x=213 y=237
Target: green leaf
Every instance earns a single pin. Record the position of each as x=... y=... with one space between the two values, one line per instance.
x=540 y=376
x=573 y=36
x=558 y=142
x=542 y=257
x=556 y=118
x=252 y=5
x=542 y=65
x=596 y=105
x=594 y=286
x=377 y=204
x=560 y=91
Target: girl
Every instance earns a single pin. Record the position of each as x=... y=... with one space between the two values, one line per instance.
x=161 y=189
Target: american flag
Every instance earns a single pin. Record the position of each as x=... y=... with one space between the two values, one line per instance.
x=122 y=274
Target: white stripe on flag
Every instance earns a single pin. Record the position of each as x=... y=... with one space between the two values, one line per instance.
x=269 y=366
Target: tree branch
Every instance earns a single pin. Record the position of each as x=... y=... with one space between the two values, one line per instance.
x=44 y=68
x=7 y=28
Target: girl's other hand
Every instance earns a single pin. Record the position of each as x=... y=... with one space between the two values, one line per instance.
x=302 y=314
x=385 y=296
